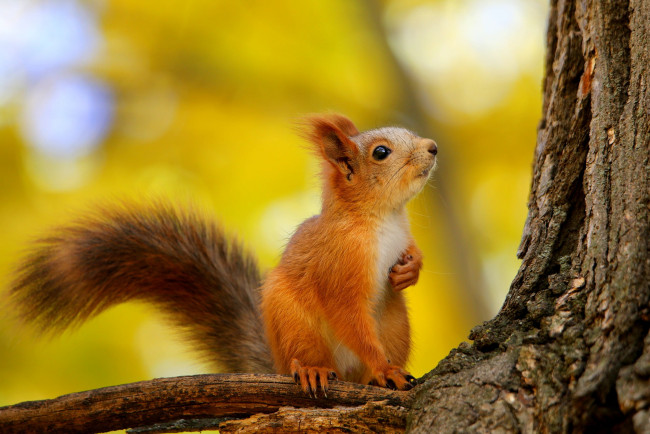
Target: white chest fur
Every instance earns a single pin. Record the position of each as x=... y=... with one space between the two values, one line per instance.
x=393 y=238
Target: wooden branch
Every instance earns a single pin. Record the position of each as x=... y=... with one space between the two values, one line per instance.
x=190 y=397
x=374 y=417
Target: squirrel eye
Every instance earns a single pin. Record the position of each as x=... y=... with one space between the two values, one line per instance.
x=380 y=152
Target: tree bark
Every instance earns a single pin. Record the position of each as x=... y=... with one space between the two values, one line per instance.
x=231 y=396
x=567 y=350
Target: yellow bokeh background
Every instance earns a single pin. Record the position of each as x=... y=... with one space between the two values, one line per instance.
x=198 y=102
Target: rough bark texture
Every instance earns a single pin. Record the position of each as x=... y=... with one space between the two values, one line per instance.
x=378 y=417
x=209 y=396
x=567 y=351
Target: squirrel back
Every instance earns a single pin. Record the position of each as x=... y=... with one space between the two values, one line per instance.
x=204 y=282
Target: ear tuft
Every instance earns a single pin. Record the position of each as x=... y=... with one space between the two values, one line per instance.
x=330 y=134
x=342 y=123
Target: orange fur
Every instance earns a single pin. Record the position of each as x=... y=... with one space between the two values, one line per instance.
x=327 y=291
x=332 y=307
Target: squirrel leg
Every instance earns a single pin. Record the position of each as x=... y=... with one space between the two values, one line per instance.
x=394 y=334
x=394 y=331
x=407 y=271
x=359 y=332
x=297 y=345
x=310 y=363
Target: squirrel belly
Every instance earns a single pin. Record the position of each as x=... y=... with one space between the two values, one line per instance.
x=388 y=307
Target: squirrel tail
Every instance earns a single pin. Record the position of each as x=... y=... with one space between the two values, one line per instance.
x=178 y=261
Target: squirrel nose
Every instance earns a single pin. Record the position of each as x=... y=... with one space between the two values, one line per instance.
x=431 y=146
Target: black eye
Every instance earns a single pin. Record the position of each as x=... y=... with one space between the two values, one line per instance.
x=380 y=152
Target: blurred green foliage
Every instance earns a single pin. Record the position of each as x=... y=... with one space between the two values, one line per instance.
x=200 y=103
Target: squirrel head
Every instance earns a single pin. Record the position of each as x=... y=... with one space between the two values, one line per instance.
x=375 y=171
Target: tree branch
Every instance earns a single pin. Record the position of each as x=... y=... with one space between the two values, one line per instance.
x=190 y=397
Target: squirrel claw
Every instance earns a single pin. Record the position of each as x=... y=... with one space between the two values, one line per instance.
x=393 y=377
x=412 y=380
x=311 y=377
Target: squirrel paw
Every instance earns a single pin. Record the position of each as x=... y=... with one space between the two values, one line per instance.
x=393 y=377
x=406 y=272
x=310 y=377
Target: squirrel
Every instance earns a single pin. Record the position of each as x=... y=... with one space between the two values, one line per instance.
x=331 y=309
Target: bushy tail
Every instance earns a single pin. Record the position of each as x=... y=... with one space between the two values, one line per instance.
x=177 y=260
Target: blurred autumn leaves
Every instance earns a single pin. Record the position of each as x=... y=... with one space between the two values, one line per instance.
x=198 y=101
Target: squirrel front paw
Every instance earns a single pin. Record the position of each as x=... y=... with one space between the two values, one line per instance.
x=406 y=272
x=310 y=377
x=393 y=377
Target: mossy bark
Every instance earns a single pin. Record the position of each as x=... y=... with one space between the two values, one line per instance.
x=569 y=350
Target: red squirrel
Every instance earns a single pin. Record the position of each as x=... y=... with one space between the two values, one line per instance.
x=333 y=306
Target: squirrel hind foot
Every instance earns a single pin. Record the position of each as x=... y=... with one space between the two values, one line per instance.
x=393 y=377
x=309 y=378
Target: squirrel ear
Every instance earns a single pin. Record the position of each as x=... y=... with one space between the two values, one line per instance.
x=331 y=134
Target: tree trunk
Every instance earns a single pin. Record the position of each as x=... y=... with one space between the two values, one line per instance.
x=570 y=350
